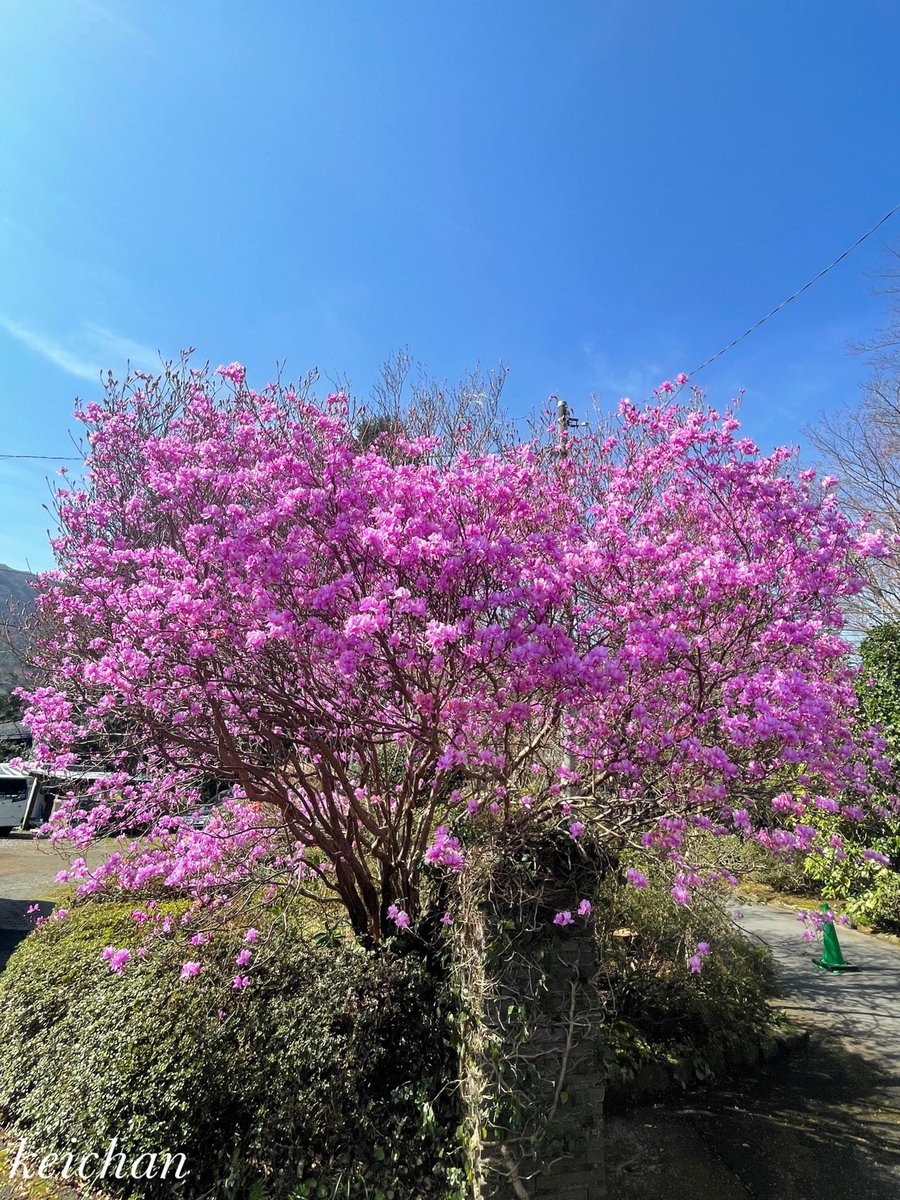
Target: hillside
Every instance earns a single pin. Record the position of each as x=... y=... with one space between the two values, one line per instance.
x=16 y=598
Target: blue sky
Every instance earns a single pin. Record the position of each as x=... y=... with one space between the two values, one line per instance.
x=599 y=194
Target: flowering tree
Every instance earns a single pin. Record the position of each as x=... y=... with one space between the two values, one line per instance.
x=370 y=638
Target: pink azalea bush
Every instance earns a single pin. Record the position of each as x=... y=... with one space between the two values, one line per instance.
x=375 y=645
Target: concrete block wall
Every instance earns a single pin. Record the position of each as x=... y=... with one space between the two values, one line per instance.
x=537 y=1099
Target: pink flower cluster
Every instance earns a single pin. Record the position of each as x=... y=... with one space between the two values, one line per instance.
x=585 y=908
x=445 y=851
x=815 y=921
x=398 y=916
x=117 y=959
x=695 y=962
x=349 y=630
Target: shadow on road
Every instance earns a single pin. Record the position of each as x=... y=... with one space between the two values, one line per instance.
x=820 y=1124
x=16 y=923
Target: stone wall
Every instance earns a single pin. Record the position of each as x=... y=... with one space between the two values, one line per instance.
x=531 y=1067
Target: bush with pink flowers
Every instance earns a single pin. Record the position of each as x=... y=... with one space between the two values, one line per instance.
x=324 y=1074
x=377 y=640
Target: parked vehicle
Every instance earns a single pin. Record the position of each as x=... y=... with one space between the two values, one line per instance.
x=13 y=798
x=27 y=797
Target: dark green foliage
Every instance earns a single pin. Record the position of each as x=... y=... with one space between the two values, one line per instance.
x=324 y=1078
x=657 y=1010
x=879 y=690
x=10 y=707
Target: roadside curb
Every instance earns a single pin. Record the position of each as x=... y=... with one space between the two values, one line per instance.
x=663 y=1080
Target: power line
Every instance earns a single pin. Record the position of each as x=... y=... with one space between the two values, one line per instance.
x=712 y=358
x=46 y=457
x=840 y=258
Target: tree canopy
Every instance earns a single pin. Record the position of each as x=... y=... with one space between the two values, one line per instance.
x=634 y=633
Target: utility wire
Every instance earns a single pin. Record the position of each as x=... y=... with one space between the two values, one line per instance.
x=840 y=258
x=46 y=457
x=712 y=358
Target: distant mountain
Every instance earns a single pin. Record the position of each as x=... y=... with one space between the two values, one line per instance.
x=16 y=601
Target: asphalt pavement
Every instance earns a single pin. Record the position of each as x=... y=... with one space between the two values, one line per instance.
x=821 y=1123
x=28 y=869
x=860 y=1007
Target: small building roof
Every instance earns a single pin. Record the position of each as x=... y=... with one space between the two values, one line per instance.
x=14 y=731
x=7 y=771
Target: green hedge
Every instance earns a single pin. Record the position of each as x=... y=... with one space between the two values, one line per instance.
x=332 y=1075
x=657 y=1009
x=324 y=1078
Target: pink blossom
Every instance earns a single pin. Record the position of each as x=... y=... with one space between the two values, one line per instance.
x=877 y=856
x=398 y=916
x=240 y=981
x=234 y=372
x=417 y=596
x=445 y=851
x=190 y=969
x=242 y=957
x=563 y=918
x=585 y=908
x=117 y=959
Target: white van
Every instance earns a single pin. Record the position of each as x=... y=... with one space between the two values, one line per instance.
x=14 y=785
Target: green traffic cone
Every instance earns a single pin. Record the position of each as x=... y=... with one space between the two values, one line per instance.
x=832 y=959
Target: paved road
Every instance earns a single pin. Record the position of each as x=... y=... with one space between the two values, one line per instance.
x=28 y=868
x=820 y=1124
x=861 y=1007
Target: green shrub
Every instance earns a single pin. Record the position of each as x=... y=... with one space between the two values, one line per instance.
x=327 y=1072
x=657 y=1009
x=869 y=891
x=786 y=875
x=878 y=905
x=332 y=1075
x=879 y=683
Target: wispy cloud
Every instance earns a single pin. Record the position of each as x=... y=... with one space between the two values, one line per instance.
x=110 y=15
x=114 y=348
x=85 y=356
x=51 y=350
x=611 y=378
